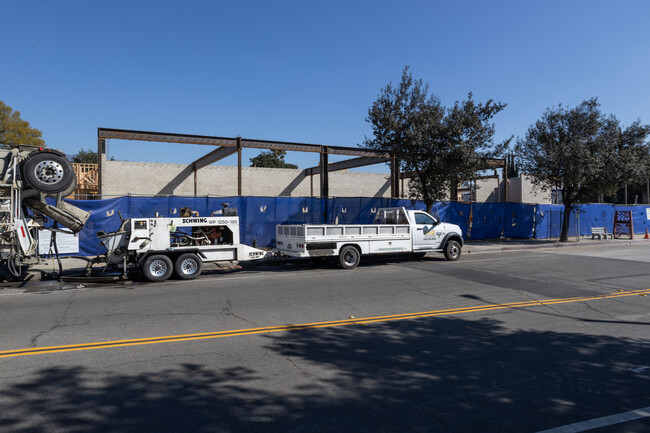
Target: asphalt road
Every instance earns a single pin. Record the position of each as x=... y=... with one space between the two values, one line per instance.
x=519 y=341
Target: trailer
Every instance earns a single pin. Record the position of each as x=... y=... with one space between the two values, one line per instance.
x=160 y=247
x=394 y=230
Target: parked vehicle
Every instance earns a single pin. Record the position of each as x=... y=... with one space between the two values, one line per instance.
x=159 y=247
x=394 y=230
x=28 y=176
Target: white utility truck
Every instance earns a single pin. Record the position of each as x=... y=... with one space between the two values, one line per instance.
x=161 y=246
x=394 y=230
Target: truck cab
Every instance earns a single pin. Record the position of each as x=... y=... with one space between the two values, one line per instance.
x=427 y=234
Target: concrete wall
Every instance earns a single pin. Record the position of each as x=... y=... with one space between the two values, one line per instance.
x=145 y=178
x=490 y=190
x=521 y=191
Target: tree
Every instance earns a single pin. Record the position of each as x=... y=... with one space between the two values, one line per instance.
x=582 y=153
x=271 y=159
x=85 y=157
x=440 y=146
x=15 y=131
x=511 y=166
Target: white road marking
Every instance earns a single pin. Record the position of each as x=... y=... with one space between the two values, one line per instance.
x=601 y=422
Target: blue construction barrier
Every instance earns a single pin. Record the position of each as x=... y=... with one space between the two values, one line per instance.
x=259 y=216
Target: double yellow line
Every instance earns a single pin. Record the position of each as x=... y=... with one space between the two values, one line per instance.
x=270 y=329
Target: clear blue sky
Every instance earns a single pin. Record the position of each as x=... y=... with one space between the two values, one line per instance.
x=306 y=71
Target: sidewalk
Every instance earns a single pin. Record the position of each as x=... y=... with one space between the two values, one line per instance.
x=476 y=247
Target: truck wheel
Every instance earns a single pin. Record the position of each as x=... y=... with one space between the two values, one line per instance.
x=188 y=266
x=157 y=267
x=452 y=250
x=48 y=173
x=349 y=257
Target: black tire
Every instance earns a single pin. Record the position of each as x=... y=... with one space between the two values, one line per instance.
x=349 y=257
x=452 y=250
x=188 y=266
x=157 y=267
x=49 y=173
x=68 y=191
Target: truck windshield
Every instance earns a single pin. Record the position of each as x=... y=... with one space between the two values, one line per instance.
x=390 y=216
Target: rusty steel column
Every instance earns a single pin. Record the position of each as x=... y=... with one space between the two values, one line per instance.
x=239 y=186
x=196 y=187
x=394 y=178
x=324 y=180
x=101 y=157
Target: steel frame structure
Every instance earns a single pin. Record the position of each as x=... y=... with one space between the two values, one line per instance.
x=226 y=146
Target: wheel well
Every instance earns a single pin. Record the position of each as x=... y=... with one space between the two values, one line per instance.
x=173 y=255
x=357 y=247
x=453 y=237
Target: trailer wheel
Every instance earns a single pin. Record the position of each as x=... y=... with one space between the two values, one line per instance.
x=452 y=250
x=49 y=173
x=157 y=267
x=188 y=266
x=349 y=257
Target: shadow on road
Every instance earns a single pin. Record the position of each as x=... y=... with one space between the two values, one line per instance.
x=435 y=374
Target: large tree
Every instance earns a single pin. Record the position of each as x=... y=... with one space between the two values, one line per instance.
x=583 y=153
x=271 y=159
x=441 y=146
x=15 y=131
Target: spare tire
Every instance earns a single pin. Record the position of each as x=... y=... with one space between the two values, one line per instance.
x=49 y=173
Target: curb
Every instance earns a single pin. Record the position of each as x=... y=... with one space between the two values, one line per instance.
x=583 y=243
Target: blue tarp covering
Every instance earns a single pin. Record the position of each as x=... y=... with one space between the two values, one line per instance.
x=259 y=216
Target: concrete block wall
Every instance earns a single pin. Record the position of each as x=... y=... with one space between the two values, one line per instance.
x=490 y=190
x=521 y=190
x=145 y=178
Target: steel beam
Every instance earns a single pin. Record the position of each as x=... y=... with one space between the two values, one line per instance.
x=123 y=134
x=162 y=137
x=347 y=164
x=213 y=156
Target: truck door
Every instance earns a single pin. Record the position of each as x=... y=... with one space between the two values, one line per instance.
x=425 y=236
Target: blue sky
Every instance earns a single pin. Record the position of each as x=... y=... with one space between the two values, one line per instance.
x=306 y=71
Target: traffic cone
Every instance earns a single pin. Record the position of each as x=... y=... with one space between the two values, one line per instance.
x=646 y=234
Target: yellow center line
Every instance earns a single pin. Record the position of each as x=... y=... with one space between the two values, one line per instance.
x=329 y=324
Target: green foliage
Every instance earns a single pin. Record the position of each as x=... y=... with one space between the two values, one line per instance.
x=271 y=159
x=15 y=131
x=441 y=146
x=511 y=166
x=583 y=153
x=85 y=157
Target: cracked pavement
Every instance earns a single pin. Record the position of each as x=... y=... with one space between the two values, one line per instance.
x=513 y=369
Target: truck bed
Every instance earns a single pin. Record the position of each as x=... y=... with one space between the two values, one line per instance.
x=309 y=240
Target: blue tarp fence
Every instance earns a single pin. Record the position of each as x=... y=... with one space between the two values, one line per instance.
x=259 y=216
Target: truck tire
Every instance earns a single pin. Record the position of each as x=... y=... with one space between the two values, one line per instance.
x=452 y=250
x=49 y=173
x=188 y=266
x=349 y=257
x=157 y=267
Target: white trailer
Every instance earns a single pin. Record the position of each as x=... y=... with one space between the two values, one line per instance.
x=160 y=246
x=395 y=230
